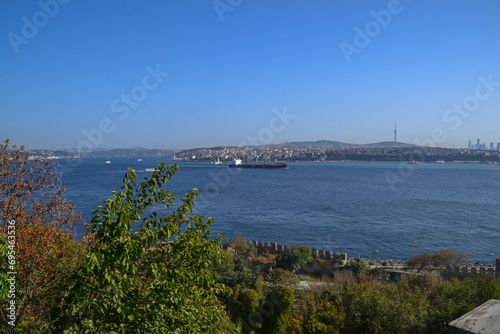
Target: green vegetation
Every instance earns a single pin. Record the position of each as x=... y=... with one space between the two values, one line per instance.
x=154 y=275
x=436 y=260
x=278 y=304
x=392 y=308
x=357 y=266
x=37 y=221
x=283 y=277
x=293 y=259
x=139 y=271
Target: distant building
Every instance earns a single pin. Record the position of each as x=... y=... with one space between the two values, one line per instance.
x=492 y=146
x=470 y=145
x=498 y=146
x=478 y=144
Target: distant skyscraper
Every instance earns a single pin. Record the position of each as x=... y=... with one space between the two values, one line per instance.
x=478 y=145
x=498 y=146
x=492 y=146
x=394 y=131
x=470 y=145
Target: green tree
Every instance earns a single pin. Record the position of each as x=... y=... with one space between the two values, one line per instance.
x=241 y=247
x=316 y=312
x=357 y=266
x=456 y=298
x=277 y=309
x=284 y=277
x=146 y=273
x=392 y=308
x=294 y=258
x=244 y=308
x=437 y=259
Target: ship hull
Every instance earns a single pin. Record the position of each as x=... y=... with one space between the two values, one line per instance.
x=260 y=166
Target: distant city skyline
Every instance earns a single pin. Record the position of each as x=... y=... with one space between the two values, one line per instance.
x=182 y=75
x=483 y=146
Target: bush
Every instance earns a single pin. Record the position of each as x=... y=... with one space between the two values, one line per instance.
x=357 y=266
x=456 y=298
x=244 y=308
x=393 y=308
x=437 y=259
x=277 y=310
x=284 y=277
x=316 y=313
x=241 y=247
x=33 y=206
x=146 y=272
x=297 y=256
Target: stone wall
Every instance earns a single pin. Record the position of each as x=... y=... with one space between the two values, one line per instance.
x=275 y=248
x=467 y=272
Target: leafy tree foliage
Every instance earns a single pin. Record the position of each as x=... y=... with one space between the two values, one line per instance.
x=391 y=308
x=437 y=259
x=277 y=310
x=241 y=247
x=297 y=256
x=244 y=308
x=45 y=249
x=317 y=313
x=283 y=277
x=456 y=298
x=357 y=266
x=146 y=273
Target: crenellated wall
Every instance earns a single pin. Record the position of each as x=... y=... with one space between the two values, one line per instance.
x=275 y=248
x=467 y=272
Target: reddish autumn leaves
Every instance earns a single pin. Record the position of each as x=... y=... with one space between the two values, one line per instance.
x=46 y=251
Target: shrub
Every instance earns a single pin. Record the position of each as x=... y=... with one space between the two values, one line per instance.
x=277 y=310
x=146 y=272
x=33 y=207
x=297 y=256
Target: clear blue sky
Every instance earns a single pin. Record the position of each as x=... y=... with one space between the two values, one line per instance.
x=226 y=76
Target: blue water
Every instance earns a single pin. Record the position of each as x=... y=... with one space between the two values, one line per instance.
x=375 y=210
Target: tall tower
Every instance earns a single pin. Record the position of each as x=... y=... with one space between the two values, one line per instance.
x=394 y=131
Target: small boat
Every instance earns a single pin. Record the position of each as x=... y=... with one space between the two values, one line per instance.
x=139 y=159
x=218 y=162
x=108 y=162
x=150 y=169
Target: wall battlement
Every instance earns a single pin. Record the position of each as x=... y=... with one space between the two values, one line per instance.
x=469 y=272
x=275 y=248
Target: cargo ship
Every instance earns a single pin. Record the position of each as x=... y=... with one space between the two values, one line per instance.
x=238 y=164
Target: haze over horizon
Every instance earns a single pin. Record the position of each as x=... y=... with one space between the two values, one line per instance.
x=215 y=73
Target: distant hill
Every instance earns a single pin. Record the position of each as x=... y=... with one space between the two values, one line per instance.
x=134 y=152
x=122 y=152
x=331 y=143
x=389 y=144
x=320 y=143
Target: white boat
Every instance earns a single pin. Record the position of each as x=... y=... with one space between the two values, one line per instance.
x=108 y=162
x=139 y=159
x=150 y=169
x=218 y=162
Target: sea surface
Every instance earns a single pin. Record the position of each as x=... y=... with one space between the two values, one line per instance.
x=372 y=210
